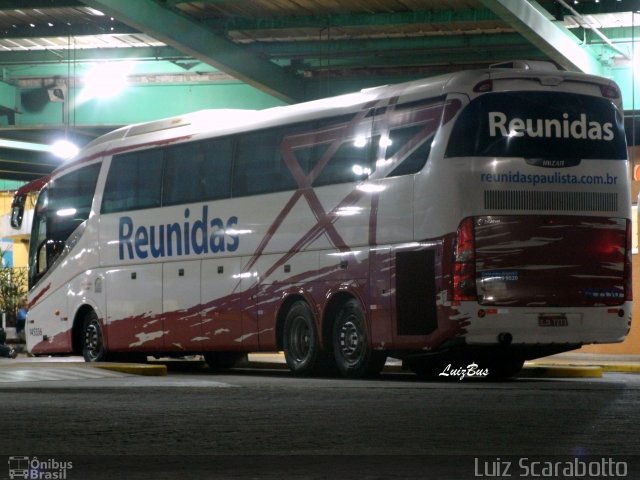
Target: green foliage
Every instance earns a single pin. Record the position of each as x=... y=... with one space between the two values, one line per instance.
x=13 y=288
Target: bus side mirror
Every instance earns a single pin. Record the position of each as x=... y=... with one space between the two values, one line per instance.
x=17 y=211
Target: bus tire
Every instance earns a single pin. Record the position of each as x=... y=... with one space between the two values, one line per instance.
x=353 y=355
x=301 y=344
x=93 y=347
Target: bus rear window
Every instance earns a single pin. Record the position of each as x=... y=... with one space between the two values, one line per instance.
x=539 y=125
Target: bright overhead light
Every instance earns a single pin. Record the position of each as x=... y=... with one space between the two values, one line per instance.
x=385 y=141
x=371 y=188
x=64 y=149
x=35 y=147
x=105 y=80
x=360 y=141
x=66 y=212
x=95 y=12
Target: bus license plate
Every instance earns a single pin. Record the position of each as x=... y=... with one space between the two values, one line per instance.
x=554 y=320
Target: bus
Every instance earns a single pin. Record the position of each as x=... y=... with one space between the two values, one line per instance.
x=478 y=216
x=19 y=467
x=19 y=201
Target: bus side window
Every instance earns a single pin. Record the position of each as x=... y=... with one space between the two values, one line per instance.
x=134 y=181
x=411 y=161
x=196 y=172
x=70 y=198
x=350 y=163
x=412 y=128
x=309 y=155
x=258 y=164
x=353 y=159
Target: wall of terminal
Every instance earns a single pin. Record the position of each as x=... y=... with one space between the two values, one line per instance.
x=631 y=345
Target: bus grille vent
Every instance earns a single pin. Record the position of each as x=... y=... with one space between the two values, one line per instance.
x=550 y=201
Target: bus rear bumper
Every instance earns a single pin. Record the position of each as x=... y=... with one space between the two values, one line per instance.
x=527 y=326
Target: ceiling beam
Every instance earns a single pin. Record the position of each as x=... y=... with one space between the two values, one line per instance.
x=337 y=20
x=200 y=42
x=591 y=8
x=51 y=56
x=20 y=174
x=65 y=31
x=419 y=46
x=396 y=60
x=11 y=161
x=31 y=4
x=534 y=23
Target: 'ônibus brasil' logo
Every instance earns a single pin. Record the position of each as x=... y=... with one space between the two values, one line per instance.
x=579 y=129
x=200 y=237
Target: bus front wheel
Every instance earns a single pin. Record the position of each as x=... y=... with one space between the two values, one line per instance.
x=93 y=348
x=353 y=355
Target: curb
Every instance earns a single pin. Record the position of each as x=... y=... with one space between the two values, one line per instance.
x=134 y=368
x=560 y=371
x=151 y=370
x=528 y=371
x=621 y=368
x=532 y=369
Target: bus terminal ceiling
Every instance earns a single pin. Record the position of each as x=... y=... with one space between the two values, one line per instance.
x=180 y=56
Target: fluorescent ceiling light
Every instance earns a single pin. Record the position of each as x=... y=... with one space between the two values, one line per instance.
x=64 y=149
x=105 y=80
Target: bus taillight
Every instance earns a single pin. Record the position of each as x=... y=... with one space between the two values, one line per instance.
x=464 y=266
x=610 y=91
x=483 y=86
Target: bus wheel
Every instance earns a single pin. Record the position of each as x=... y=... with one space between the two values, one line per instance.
x=93 y=349
x=302 y=349
x=353 y=355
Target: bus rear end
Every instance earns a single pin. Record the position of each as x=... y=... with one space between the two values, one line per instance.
x=541 y=259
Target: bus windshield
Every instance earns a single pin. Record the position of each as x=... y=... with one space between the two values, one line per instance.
x=62 y=205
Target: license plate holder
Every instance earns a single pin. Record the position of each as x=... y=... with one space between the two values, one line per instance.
x=553 y=320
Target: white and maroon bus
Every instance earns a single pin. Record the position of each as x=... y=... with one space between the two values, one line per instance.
x=480 y=216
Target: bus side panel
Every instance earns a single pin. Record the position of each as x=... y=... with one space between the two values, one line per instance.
x=182 y=321
x=381 y=294
x=248 y=314
x=134 y=308
x=48 y=327
x=390 y=210
x=86 y=289
x=286 y=276
x=57 y=297
x=221 y=302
